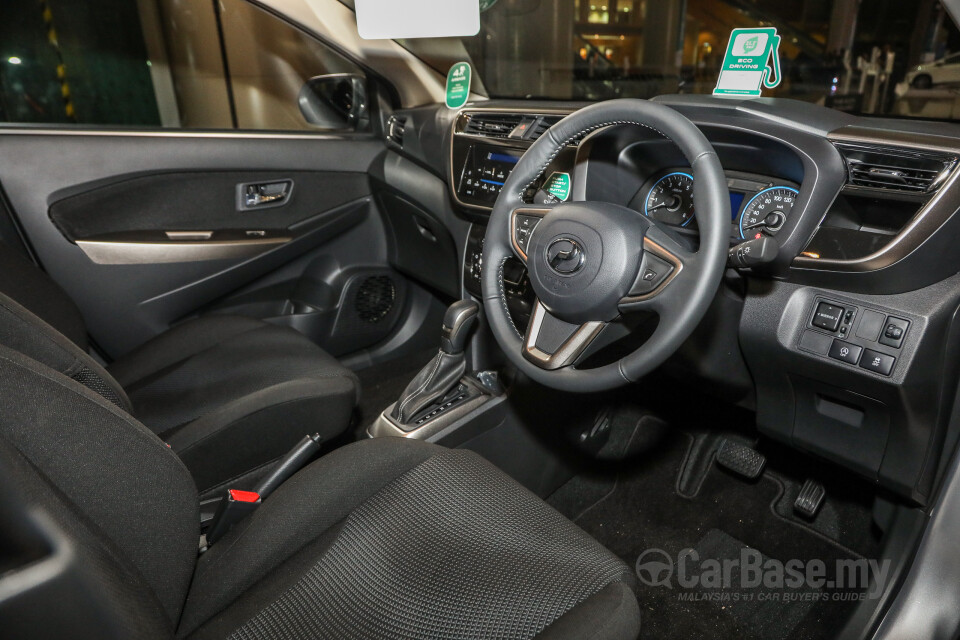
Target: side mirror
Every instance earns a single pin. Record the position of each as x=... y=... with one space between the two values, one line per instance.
x=337 y=102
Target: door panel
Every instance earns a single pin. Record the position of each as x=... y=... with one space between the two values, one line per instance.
x=133 y=188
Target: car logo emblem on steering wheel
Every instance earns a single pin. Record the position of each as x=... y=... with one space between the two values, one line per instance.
x=565 y=256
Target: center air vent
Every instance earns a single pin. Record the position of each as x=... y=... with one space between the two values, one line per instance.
x=542 y=124
x=515 y=126
x=492 y=125
x=896 y=170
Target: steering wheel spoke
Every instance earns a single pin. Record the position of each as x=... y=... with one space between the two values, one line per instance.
x=665 y=263
x=551 y=343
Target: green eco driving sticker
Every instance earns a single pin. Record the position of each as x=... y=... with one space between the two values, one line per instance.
x=486 y=5
x=558 y=185
x=458 y=85
x=751 y=60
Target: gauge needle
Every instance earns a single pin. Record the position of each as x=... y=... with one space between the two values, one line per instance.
x=767 y=222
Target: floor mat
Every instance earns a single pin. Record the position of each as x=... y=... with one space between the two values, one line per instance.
x=639 y=511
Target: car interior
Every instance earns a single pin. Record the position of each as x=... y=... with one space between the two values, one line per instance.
x=294 y=345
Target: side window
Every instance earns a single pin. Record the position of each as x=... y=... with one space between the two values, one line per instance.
x=171 y=63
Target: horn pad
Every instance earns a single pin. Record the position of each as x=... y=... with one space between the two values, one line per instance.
x=583 y=259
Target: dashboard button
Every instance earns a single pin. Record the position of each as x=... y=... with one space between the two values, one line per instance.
x=845 y=351
x=894 y=331
x=828 y=316
x=877 y=362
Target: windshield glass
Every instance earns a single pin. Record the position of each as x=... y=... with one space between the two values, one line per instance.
x=881 y=57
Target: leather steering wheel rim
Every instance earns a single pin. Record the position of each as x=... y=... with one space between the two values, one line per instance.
x=681 y=301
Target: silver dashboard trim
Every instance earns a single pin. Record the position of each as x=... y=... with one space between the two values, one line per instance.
x=512 y=144
x=938 y=209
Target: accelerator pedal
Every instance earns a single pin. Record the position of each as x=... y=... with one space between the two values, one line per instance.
x=809 y=499
x=741 y=459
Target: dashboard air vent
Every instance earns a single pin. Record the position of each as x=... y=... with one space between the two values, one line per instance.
x=542 y=124
x=492 y=125
x=896 y=170
x=395 y=129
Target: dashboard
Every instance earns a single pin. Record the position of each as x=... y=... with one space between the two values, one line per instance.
x=846 y=343
x=649 y=176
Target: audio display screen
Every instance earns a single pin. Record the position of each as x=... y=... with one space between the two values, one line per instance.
x=484 y=173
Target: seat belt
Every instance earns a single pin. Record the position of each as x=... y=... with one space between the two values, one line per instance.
x=237 y=505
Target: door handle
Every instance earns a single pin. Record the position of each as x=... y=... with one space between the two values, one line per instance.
x=262 y=195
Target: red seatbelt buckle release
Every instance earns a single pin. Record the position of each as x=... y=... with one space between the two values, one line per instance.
x=235 y=506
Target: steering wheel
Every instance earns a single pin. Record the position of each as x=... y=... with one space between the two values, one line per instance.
x=591 y=262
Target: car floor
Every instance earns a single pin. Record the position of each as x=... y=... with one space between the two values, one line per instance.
x=656 y=486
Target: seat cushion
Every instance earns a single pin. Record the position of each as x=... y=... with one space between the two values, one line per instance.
x=229 y=394
x=391 y=538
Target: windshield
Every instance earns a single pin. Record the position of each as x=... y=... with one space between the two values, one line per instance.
x=880 y=57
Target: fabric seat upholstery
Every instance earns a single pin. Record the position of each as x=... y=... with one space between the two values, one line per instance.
x=229 y=394
x=386 y=538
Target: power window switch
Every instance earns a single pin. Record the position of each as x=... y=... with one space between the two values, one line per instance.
x=845 y=352
x=877 y=362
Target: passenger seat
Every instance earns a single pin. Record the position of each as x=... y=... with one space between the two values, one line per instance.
x=228 y=394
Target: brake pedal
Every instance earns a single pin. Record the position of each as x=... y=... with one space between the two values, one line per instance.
x=740 y=459
x=809 y=499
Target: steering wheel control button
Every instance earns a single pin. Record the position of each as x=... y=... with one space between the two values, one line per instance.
x=828 y=316
x=565 y=256
x=894 y=331
x=845 y=352
x=523 y=229
x=877 y=362
x=653 y=271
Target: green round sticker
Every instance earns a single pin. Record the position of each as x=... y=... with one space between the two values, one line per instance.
x=458 y=85
x=486 y=5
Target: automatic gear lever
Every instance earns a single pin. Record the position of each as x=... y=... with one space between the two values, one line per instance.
x=443 y=373
x=458 y=322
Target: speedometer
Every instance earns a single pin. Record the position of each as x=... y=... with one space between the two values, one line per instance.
x=671 y=199
x=767 y=212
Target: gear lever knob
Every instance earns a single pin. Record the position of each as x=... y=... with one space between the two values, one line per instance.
x=458 y=322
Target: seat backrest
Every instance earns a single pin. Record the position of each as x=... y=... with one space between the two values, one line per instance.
x=110 y=476
x=28 y=334
x=33 y=289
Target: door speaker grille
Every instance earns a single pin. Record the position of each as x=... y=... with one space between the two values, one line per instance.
x=375 y=298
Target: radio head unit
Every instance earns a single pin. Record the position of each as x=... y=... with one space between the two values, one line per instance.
x=484 y=171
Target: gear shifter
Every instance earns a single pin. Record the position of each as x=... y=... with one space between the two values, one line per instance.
x=443 y=373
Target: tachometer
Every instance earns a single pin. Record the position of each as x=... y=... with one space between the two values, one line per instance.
x=671 y=199
x=767 y=212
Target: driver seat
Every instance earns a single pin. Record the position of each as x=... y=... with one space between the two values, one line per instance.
x=387 y=538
